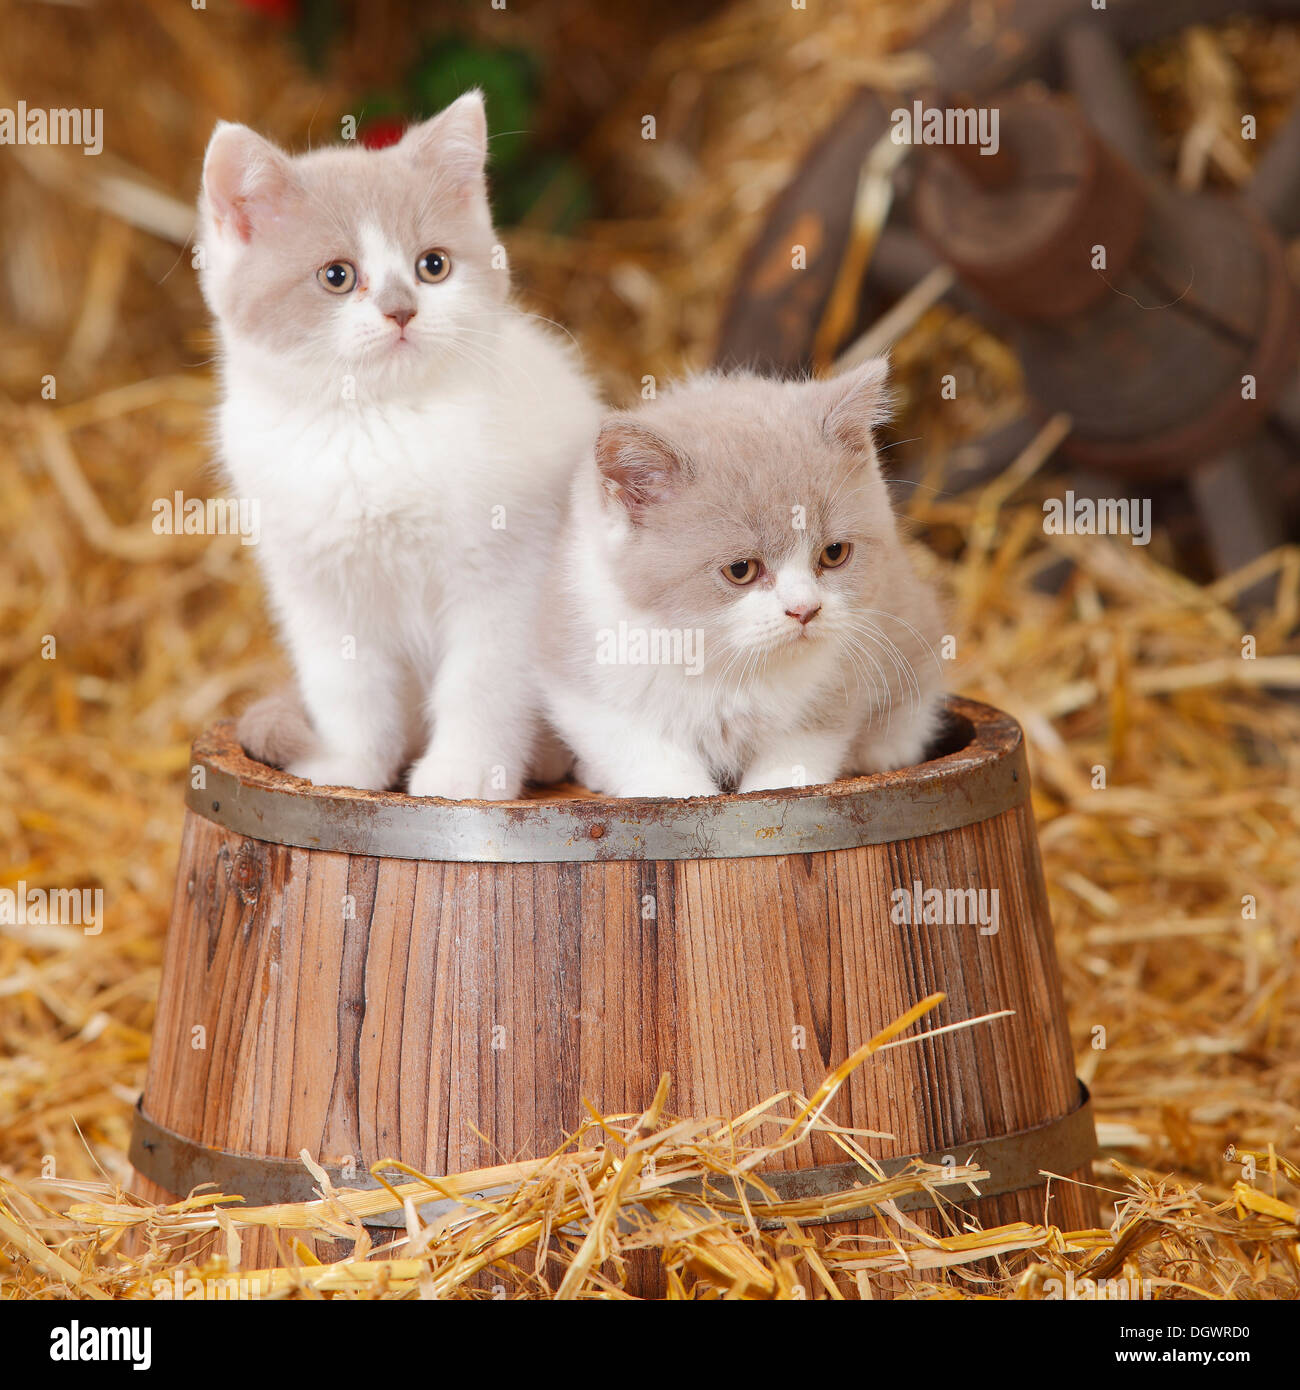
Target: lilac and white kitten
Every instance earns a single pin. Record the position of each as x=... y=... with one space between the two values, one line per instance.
x=733 y=606
x=410 y=436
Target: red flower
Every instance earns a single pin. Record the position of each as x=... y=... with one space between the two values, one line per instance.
x=382 y=131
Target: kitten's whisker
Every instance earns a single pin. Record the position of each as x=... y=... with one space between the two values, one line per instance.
x=902 y=668
x=859 y=656
x=863 y=650
x=901 y=664
x=884 y=448
x=530 y=314
x=488 y=360
x=920 y=637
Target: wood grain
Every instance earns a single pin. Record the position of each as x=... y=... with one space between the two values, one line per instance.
x=379 y=1007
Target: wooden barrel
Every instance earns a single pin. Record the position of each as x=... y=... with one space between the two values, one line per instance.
x=371 y=976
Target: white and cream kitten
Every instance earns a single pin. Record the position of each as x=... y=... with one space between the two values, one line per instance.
x=410 y=436
x=733 y=607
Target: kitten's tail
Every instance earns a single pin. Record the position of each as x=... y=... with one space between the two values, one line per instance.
x=276 y=729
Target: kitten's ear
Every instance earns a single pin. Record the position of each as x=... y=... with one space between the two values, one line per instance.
x=454 y=141
x=637 y=466
x=245 y=179
x=857 y=402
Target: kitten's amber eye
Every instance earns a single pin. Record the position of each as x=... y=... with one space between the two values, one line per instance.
x=742 y=571
x=433 y=266
x=338 y=277
x=835 y=555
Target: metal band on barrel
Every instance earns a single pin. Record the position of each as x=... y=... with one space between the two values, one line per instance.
x=972 y=784
x=1013 y=1162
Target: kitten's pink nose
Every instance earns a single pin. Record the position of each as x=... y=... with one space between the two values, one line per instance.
x=401 y=317
x=805 y=612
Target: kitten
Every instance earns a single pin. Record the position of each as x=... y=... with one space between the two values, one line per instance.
x=733 y=606
x=410 y=436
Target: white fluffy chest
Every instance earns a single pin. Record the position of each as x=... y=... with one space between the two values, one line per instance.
x=729 y=714
x=358 y=482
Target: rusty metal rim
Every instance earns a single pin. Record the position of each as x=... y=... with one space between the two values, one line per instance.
x=1014 y=1162
x=987 y=776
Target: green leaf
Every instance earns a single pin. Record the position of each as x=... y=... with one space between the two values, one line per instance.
x=552 y=192
x=508 y=77
x=318 y=23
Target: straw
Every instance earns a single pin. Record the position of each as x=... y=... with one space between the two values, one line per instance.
x=1163 y=732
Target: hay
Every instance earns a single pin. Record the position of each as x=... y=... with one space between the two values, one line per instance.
x=1175 y=888
x=565 y=1226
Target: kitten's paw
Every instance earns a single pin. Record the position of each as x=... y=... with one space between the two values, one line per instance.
x=341 y=770
x=770 y=779
x=654 y=784
x=461 y=778
x=889 y=758
x=887 y=753
x=904 y=744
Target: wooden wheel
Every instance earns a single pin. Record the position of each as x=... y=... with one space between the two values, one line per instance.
x=1175 y=359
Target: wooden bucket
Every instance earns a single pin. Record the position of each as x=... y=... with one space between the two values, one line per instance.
x=371 y=976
